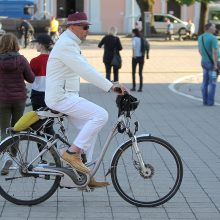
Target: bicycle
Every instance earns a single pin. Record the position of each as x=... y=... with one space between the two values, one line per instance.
x=146 y=171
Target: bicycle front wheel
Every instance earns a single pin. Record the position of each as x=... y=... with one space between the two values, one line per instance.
x=19 y=187
x=162 y=177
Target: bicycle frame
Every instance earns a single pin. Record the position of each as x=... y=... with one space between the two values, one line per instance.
x=126 y=160
x=121 y=120
x=98 y=161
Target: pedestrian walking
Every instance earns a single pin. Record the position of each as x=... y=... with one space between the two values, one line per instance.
x=169 y=35
x=138 y=53
x=112 y=44
x=65 y=66
x=44 y=45
x=26 y=33
x=14 y=69
x=209 y=50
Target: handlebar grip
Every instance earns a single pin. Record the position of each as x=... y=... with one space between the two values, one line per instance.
x=118 y=89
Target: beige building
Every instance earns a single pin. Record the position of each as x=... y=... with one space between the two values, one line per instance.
x=121 y=13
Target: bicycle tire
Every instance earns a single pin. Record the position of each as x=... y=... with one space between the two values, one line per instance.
x=14 y=195
x=164 y=158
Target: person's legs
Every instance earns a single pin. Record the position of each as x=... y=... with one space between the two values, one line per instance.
x=108 y=71
x=141 y=65
x=211 y=87
x=86 y=116
x=115 y=71
x=134 y=65
x=5 y=118
x=17 y=112
x=207 y=67
x=205 y=86
x=79 y=124
x=171 y=35
x=9 y=115
x=168 y=35
x=89 y=118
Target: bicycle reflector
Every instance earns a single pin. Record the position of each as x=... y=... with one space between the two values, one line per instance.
x=126 y=102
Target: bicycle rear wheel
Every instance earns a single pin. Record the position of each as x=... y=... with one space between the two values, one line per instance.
x=163 y=177
x=19 y=187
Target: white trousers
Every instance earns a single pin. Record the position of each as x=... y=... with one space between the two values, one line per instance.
x=87 y=117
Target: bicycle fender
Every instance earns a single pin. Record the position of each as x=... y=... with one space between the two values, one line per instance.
x=16 y=137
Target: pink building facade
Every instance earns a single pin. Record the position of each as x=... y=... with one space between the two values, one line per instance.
x=120 y=13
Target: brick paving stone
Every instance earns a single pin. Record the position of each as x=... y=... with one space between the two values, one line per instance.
x=192 y=128
x=12 y=218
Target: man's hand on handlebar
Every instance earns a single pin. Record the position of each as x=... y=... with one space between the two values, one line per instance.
x=118 y=88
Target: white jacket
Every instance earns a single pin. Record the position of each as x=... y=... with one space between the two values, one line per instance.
x=65 y=66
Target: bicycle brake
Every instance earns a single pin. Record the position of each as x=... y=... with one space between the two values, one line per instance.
x=136 y=127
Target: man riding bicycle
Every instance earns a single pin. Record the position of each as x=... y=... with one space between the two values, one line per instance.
x=65 y=66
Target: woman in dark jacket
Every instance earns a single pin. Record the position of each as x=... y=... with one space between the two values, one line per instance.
x=111 y=43
x=14 y=70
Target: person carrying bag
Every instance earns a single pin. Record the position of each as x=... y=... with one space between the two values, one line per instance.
x=116 y=60
x=208 y=49
x=210 y=58
x=111 y=57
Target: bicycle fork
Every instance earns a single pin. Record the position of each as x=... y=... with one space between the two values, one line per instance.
x=143 y=169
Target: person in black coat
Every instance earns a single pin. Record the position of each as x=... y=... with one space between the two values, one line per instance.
x=111 y=43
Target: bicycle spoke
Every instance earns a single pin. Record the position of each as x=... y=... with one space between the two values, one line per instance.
x=21 y=187
x=153 y=185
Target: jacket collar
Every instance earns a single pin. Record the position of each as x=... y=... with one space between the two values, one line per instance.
x=8 y=54
x=73 y=36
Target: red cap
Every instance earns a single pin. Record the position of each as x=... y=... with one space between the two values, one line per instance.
x=78 y=18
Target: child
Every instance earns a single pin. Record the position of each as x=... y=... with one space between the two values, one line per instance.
x=44 y=45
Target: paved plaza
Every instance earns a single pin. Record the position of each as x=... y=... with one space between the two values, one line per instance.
x=170 y=108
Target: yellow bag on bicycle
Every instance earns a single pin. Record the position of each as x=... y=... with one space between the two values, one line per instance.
x=26 y=121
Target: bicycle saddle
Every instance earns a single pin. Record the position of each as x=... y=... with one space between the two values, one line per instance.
x=49 y=113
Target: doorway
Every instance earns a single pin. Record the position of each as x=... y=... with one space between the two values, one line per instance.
x=66 y=7
x=174 y=8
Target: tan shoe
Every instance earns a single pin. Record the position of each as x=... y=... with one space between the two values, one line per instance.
x=93 y=183
x=75 y=161
x=6 y=166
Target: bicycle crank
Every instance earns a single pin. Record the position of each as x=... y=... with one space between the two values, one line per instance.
x=68 y=177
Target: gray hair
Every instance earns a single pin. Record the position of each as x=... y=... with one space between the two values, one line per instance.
x=113 y=31
x=207 y=26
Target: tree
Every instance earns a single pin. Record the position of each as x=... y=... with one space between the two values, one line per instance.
x=146 y=5
x=203 y=19
x=203 y=11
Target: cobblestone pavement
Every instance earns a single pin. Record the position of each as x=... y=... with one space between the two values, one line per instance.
x=189 y=126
